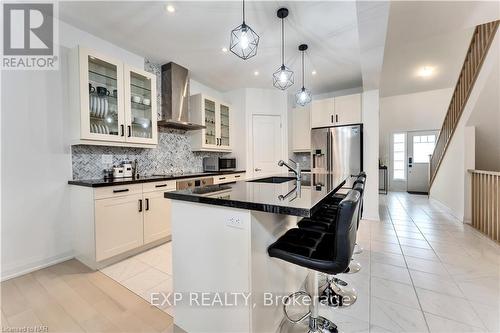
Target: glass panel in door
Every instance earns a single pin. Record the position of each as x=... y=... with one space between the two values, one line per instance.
x=209 y=121
x=141 y=99
x=224 y=125
x=103 y=97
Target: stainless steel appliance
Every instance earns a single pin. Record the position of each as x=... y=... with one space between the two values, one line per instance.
x=194 y=183
x=175 y=98
x=337 y=149
x=219 y=164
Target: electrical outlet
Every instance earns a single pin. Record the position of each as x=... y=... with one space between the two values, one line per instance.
x=107 y=160
x=234 y=222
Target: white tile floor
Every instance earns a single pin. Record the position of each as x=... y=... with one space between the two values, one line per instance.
x=422 y=271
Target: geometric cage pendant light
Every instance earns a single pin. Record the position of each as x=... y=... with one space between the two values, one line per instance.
x=244 y=41
x=283 y=76
x=303 y=96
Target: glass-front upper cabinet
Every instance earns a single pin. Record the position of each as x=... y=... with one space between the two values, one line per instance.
x=216 y=118
x=140 y=106
x=114 y=103
x=210 y=131
x=224 y=139
x=101 y=99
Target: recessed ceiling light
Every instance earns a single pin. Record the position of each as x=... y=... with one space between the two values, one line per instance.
x=224 y=49
x=256 y=73
x=426 y=71
x=313 y=72
x=170 y=8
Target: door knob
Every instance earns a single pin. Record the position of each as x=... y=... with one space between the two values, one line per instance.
x=257 y=169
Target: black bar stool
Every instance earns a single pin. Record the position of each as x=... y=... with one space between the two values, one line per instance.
x=328 y=253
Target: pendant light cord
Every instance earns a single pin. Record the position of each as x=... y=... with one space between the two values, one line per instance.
x=282 y=41
x=303 y=69
x=243 y=11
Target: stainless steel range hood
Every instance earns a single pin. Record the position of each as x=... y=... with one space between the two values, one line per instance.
x=175 y=98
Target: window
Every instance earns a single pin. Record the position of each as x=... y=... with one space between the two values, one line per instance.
x=398 y=157
x=423 y=146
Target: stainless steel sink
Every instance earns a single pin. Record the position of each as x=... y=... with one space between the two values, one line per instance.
x=272 y=180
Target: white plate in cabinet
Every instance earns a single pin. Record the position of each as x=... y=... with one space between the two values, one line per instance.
x=348 y=109
x=118 y=225
x=156 y=216
x=216 y=117
x=323 y=113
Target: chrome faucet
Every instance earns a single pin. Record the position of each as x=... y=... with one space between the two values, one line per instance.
x=297 y=172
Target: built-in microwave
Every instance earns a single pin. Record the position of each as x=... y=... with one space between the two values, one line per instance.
x=219 y=164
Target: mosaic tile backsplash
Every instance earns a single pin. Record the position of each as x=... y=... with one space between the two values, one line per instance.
x=172 y=155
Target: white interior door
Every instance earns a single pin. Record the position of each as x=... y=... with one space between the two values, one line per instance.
x=420 y=146
x=267 y=144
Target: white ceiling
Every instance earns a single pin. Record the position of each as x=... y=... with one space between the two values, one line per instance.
x=194 y=35
x=429 y=33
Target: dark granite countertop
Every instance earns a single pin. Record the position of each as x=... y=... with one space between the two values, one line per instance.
x=284 y=198
x=146 y=179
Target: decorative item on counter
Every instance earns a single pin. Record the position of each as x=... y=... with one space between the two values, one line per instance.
x=117 y=172
x=136 y=169
x=127 y=169
x=108 y=173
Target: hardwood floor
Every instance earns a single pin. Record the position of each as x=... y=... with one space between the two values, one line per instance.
x=69 y=297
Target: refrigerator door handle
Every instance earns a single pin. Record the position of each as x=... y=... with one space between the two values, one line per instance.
x=328 y=151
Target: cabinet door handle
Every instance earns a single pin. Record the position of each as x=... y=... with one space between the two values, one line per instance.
x=238 y=176
x=336 y=118
x=129 y=130
x=331 y=118
x=120 y=191
x=162 y=185
x=140 y=205
x=222 y=178
x=122 y=128
x=147 y=204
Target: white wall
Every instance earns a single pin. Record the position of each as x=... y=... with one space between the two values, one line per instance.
x=36 y=160
x=449 y=186
x=410 y=112
x=370 y=114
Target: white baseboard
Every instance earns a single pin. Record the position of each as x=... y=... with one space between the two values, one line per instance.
x=28 y=268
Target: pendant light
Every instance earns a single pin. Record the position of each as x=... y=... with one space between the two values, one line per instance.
x=244 y=40
x=283 y=77
x=303 y=96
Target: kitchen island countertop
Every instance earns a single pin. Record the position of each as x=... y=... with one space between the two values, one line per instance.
x=286 y=198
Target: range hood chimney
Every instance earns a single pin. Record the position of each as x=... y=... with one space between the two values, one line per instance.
x=175 y=98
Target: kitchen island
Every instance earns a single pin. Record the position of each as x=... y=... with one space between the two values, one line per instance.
x=223 y=279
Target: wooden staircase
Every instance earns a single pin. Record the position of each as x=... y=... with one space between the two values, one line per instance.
x=478 y=49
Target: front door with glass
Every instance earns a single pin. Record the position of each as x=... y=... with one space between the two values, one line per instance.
x=420 y=146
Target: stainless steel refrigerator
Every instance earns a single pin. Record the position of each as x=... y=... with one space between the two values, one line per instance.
x=337 y=149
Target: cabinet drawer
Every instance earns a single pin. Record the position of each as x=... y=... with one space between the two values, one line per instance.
x=117 y=191
x=222 y=179
x=166 y=185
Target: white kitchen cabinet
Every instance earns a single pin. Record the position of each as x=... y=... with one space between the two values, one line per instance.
x=112 y=103
x=118 y=225
x=323 y=113
x=229 y=178
x=348 y=109
x=140 y=106
x=113 y=222
x=301 y=129
x=216 y=116
x=156 y=216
